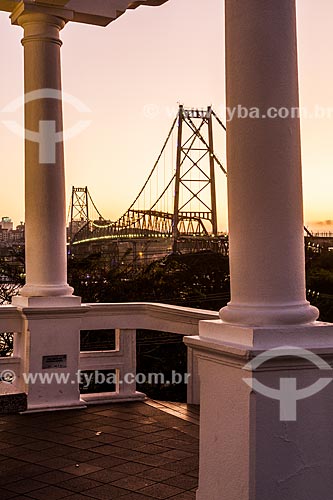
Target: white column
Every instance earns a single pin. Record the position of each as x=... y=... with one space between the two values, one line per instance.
x=247 y=451
x=51 y=315
x=46 y=259
x=264 y=167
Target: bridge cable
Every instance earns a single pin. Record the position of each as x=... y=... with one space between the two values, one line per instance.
x=93 y=204
x=219 y=121
x=145 y=184
x=165 y=190
x=156 y=163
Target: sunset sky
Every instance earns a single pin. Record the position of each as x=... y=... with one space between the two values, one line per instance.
x=132 y=74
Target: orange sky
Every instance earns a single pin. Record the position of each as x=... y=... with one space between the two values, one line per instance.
x=150 y=59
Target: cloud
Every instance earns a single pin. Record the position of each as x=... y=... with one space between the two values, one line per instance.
x=328 y=222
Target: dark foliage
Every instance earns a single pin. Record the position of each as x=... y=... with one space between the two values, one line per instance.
x=165 y=355
x=198 y=280
x=11 y=280
x=319 y=281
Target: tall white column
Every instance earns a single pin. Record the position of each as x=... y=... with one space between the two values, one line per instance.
x=264 y=167
x=46 y=259
x=247 y=450
x=51 y=314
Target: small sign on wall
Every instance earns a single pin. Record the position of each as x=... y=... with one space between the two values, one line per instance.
x=55 y=361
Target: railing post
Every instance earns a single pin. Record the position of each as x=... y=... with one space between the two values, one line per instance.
x=51 y=342
x=127 y=372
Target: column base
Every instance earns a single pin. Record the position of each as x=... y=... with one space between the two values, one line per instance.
x=65 y=301
x=248 y=451
x=284 y=314
x=265 y=337
x=46 y=290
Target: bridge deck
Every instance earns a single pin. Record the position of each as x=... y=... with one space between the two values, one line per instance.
x=132 y=451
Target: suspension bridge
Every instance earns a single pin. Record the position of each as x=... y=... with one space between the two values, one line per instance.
x=176 y=209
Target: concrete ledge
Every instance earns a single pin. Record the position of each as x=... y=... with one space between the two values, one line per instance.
x=75 y=405
x=146 y=316
x=111 y=397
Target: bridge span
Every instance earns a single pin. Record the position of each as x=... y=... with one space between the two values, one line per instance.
x=180 y=193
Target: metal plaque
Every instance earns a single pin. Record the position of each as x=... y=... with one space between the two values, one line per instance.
x=55 y=361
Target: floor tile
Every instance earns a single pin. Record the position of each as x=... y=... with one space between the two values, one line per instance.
x=158 y=475
x=54 y=477
x=106 y=476
x=105 y=492
x=6 y=494
x=25 y=486
x=161 y=491
x=133 y=483
x=131 y=468
x=49 y=493
x=182 y=481
x=79 y=484
x=135 y=496
x=187 y=495
x=81 y=469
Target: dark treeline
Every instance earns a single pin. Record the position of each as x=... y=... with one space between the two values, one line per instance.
x=199 y=280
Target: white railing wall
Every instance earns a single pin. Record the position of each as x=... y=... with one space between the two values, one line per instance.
x=125 y=319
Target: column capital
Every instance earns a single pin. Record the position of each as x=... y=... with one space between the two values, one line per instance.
x=26 y=13
x=39 y=26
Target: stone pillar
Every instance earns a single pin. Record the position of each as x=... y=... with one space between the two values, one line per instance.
x=247 y=451
x=46 y=259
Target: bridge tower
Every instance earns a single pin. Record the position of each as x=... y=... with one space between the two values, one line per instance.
x=195 y=174
x=79 y=210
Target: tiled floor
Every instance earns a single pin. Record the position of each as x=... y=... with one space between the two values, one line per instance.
x=182 y=410
x=132 y=451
